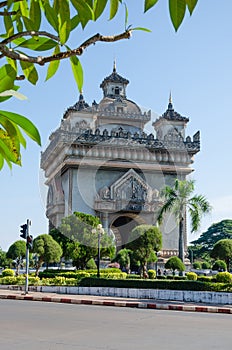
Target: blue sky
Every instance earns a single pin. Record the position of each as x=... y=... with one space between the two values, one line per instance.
x=194 y=63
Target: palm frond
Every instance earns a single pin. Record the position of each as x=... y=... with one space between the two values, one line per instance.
x=167 y=206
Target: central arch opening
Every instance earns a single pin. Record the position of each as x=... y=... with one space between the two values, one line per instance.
x=122 y=227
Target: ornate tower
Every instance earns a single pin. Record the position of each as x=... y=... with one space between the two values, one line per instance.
x=100 y=161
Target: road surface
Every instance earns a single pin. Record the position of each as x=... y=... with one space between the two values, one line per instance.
x=26 y=325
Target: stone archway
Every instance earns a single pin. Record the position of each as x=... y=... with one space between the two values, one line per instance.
x=122 y=224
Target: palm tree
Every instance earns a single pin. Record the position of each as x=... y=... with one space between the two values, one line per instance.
x=177 y=200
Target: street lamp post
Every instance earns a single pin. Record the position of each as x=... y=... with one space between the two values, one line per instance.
x=99 y=230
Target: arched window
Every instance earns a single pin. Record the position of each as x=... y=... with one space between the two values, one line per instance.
x=116 y=90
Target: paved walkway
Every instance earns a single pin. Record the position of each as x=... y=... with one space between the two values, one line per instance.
x=114 y=301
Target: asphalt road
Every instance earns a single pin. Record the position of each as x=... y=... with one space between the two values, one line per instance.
x=28 y=325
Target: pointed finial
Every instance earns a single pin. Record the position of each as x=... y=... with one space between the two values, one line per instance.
x=114 y=68
x=170 y=106
x=81 y=97
x=170 y=97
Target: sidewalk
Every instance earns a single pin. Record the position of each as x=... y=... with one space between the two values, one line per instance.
x=114 y=301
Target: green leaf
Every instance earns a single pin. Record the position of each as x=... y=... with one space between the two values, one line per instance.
x=64 y=31
x=13 y=132
x=149 y=4
x=29 y=71
x=141 y=28
x=99 y=6
x=90 y=3
x=8 y=25
x=64 y=21
x=77 y=71
x=1 y=161
x=75 y=21
x=9 y=3
x=38 y=44
x=85 y=12
x=12 y=63
x=6 y=153
x=28 y=23
x=113 y=8
x=35 y=14
x=19 y=23
x=52 y=16
x=24 y=8
x=56 y=6
x=126 y=16
x=191 y=5
x=24 y=123
x=177 y=11
x=7 y=77
x=53 y=65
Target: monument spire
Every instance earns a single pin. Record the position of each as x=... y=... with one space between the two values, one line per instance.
x=170 y=105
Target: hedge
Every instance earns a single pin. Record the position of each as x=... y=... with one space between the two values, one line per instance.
x=156 y=284
x=78 y=273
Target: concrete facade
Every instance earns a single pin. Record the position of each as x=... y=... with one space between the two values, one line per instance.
x=100 y=161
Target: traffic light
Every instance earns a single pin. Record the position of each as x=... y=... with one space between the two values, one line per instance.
x=29 y=242
x=23 y=231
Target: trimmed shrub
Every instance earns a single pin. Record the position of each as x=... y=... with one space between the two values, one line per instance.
x=8 y=280
x=197 y=265
x=174 y=263
x=151 y=274
x=8 y=272
x=206 y=279
x=219 y=265
x=224 y=277
x=133 y=276
x=191 y=276
x=161 y=277
x=71 y=282
x=91 y=265
x=115 y=275
x=33 y=281
x=206 y=265
x=177 y=278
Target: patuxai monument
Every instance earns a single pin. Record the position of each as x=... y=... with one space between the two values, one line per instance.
x=101 y=161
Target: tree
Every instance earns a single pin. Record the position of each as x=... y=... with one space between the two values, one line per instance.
x=32 y=27
x=223 y=250
x=3 y=258
x=17 y=251
x=123 y=258
x=82 y=244
x=63 y=241
x=47 y=250
x=144 y=241
x=178 y=200
x=174 y=263
x=216 y=232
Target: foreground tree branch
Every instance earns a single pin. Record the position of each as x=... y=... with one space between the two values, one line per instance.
x=29 y=33
x=61 y=55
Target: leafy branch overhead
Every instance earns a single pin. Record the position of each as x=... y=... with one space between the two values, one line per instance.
x=36 y=32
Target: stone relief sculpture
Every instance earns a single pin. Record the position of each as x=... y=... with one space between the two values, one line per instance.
x=81 y=126
x=104 y=193
x=129 y=192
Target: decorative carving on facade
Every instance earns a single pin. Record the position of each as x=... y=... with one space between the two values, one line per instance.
x=173 y=140
x=129 y=193
x=104 y=193
x=81 y=126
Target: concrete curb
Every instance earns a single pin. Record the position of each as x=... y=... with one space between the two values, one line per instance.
x=117 y=303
